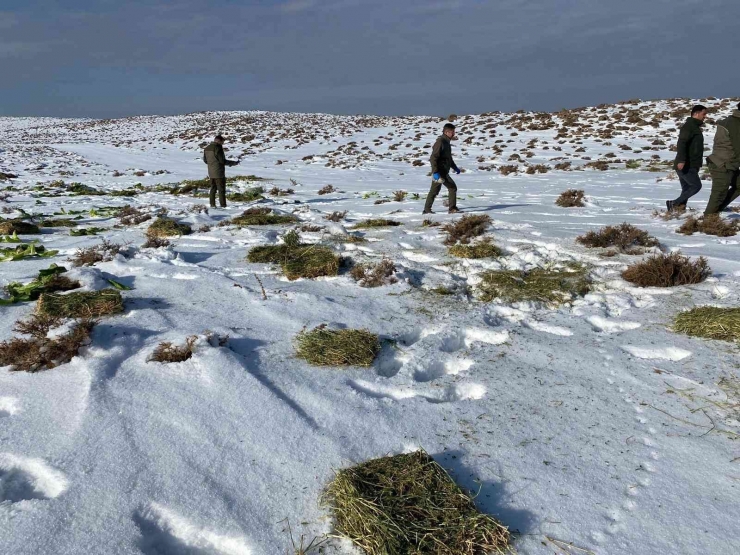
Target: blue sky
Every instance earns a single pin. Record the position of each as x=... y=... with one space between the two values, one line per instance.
x=110 y=58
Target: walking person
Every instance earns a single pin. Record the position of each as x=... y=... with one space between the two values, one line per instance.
x=214 y=156
x=724 y=164
x=442 y=163
x=689 y=157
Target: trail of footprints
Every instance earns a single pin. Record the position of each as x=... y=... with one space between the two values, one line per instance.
x=407 y=374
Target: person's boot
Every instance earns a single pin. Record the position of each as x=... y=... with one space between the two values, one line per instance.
x=669 y=205
x=427 y=211
x=453 y=211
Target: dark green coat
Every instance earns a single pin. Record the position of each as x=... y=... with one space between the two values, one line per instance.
x=690 y=148
x=214 y=156
x=726 y=152
x=441 y=157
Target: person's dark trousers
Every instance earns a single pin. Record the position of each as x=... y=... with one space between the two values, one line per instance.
x=218 y=183
x=724 y=189
x=437 y=187
x=690 y=185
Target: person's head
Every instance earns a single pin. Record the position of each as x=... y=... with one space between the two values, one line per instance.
x=448 y=130
x=699 y=112
x=219 y=139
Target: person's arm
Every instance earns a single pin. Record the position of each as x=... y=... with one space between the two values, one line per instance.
x=682 y=148
x=232 y=162
x=454 y=166
x=722 y=148
x=205 y=161
x=434 y=158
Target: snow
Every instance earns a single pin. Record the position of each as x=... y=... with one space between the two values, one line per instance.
x=590 y=423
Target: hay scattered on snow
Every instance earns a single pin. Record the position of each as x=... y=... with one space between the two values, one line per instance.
x=83 y=304
x=466 y=228
x=261 y=216
x=376 y=222
x=327 y=347
x=710 y=322
x=409 y=504
x=483 y=249
x=298 y=261
x=541 y=285
x=167 y=227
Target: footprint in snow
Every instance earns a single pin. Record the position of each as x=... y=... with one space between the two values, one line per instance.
x=610 y=325
x=657 y=353
x=9 y=406
x=25 y=479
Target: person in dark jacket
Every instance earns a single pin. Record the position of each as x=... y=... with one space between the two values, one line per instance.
x=442 y=163
x=724 y=164
x=689 y=156
x=214 y=156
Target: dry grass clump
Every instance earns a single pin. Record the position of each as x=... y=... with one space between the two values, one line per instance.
x=39 y=352
x=430 y=223
x=153 y=242
x=377 y=222
x=336 y=216
x=710 y=322
x=483 y=249
x=105 y=252
x=399 y=196
x=625 y=237
x=19 y=227
x=571 y=198
x=297 y=260
x=676 y=213
x=667 y=270
x=59 y=222
x=326 y=347
x=167 y=227
x=168 y=352
x=466 y=228
x=327 y=189
x=262 y=216
x=551 y=287
x=250 y=195
x=409 y=504
x=128 y=215
x=710 y=224
x=374 y=275
x=84 y=304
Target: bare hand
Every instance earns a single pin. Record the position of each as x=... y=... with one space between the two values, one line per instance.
x=681 y=165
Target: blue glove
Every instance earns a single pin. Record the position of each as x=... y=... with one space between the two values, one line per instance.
x=457 y=171
x=435 y=176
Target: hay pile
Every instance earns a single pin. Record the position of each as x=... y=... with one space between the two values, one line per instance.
x=466 y=228
x=668 y=270
x=85 y=304
x=167 y=227
x=483 y=249
x=9 y=227
x=261 y=216
x=551 y=287
x=710 y=322
x=408 y=504
x=326 y=347
x=297 y=260
x=377 y=222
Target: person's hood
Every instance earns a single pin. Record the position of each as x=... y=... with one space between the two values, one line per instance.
x=694 y=121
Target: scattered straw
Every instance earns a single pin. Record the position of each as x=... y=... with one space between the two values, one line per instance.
x=409 y=504
x=85 y=304
x=167 y=227
x=484 y=249
x=546 y=286
x=377 y=222
x=710 y=322
x=326 y=347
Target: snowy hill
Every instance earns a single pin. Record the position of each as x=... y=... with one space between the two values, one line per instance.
x=589 y=422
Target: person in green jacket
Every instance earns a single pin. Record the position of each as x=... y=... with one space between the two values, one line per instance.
x=214 y=156
x=689 y=157
x=442 y=163
x=724 y=164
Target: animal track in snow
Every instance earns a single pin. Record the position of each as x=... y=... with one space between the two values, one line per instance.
x=450 y=394
x=609 y=325
x=23 y=479
x=466 y=337
x=660 y=353
x=164 y=531
x=9 y=406
x=438 y=368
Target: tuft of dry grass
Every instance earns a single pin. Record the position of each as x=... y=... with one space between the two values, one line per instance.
x=297 y=260
x=128 y=215
x=105 y=252
x=551 y=287
x=39 y=352
x=262 y=216
x=327 y=347
x=483 y=249
x=676 y=213
x=168 y=352
x=430 y=223
x=571 y=198
x=399 y=196
x=466 y=228
x=84 y=304
x=625 y=237
x=376 y=222
x=710 y=322
x=409 y=504
x=336 y=216
x=374 y=275
x=667 y=270
x=327 y=189
x=710 y=224
x=167 y=227
x=19 y=227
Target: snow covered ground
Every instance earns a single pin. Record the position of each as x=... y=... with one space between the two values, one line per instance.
x=591 y=423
